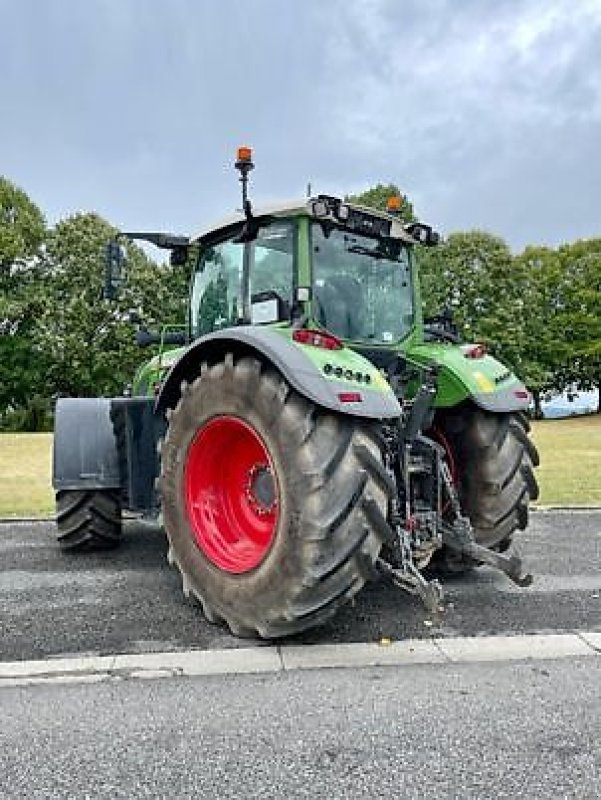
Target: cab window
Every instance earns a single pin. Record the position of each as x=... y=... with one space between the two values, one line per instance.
x=216 y=291
x=218 y=287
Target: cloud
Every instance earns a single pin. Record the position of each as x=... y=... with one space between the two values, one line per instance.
x=488 y=114
x=470 y=105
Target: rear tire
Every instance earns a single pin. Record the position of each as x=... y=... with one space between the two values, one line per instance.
x=88 y=519
x=494 y=460
x=324 y=489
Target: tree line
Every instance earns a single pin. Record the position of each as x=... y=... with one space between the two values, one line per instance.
x=57 y=335
x=538 y=311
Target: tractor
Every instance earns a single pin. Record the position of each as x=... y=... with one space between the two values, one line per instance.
x=308 y=431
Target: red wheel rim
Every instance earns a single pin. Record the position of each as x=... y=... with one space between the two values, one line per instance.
x=232 y=499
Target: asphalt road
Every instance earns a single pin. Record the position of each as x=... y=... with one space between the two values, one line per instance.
x=130 y=601
x=527 y=730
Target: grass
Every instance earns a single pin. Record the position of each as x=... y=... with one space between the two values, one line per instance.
x=25 y=466
x=570 y=471
x=570 y=456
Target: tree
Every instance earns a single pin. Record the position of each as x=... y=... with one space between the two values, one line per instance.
x=22 y=235
x=475 y=275
x=377 y=197
x=544 y=346
x=22 y=229
x=579 y=315
x=90 y=341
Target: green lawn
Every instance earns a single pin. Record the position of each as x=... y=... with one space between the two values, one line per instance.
x=25 y=466
x=570 y=471
x=570 y=460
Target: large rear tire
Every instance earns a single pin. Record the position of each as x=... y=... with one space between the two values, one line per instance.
x=88 y=519
x=275 y=509
x=492 y=460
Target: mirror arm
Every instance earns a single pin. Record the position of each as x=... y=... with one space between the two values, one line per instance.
x=166 y=241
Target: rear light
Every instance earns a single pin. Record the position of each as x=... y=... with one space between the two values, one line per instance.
x=523 y=394
x=350 y=397
x=474 y=350
x=317 y=339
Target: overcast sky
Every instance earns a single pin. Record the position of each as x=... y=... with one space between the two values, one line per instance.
x=486 y=112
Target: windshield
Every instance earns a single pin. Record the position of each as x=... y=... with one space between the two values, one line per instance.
x=361 y=286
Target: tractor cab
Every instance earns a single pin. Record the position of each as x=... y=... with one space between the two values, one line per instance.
x=321 y=262
x=356 y=286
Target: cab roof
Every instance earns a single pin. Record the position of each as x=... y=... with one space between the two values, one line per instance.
x=282 y=209
x=302 y=207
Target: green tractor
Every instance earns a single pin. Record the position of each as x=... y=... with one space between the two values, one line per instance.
x=310 y=432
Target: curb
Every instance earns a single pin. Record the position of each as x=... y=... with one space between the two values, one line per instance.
x=290 y=658
x=567 y=509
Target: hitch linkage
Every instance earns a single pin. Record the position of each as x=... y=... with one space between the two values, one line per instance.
x=454 y=531
x=410 y=579
x=459 y=538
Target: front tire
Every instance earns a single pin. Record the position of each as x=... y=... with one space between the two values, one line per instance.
x=275 y=509
x=493 y=460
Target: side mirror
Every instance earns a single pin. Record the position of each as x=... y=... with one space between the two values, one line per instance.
x=113 y=270
x=179 y=256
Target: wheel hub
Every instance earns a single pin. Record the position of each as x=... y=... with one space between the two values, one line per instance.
x=261 y=489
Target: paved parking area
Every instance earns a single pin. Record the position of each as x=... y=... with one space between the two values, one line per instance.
x=130 y=601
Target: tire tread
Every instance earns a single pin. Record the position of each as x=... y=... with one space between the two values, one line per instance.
x=88 y=519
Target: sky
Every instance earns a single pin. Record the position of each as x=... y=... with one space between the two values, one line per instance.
x=486 y=113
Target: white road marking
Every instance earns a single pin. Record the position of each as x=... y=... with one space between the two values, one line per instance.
x=265 y=659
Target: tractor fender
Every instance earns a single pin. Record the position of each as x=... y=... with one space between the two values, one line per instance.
x=484 y=380
x=377 y=402
x=504 y=400
x=85 y=451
